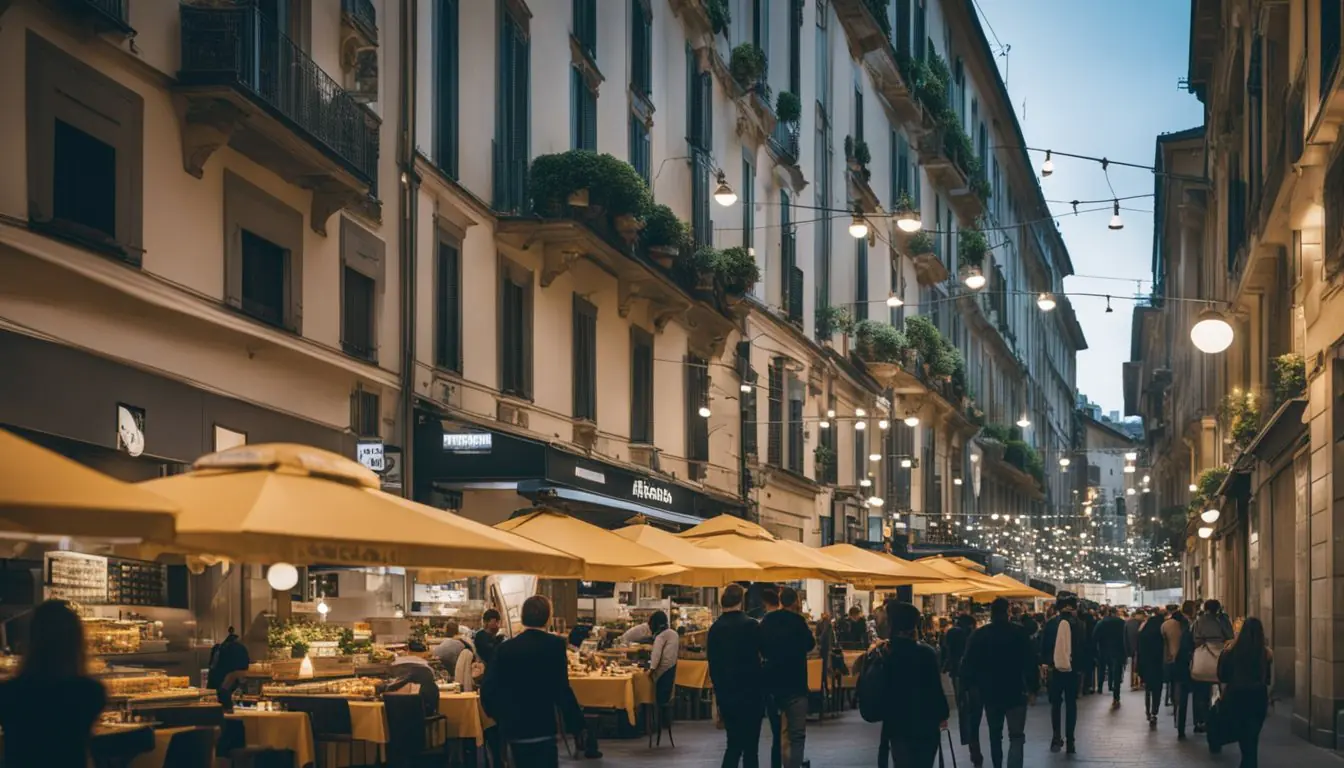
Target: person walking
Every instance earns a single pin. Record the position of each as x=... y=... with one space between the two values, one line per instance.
x=1179 y=648
x=969 y=708
x=1132 y=626
x=1152 y=664
x=785 y=643
x=1210 y=635
x=1086 y=662
x=1062 y=644
x=1246 y=670
x=916 y=705
x=999 y=667
x=733 y=647
x=1109 y=642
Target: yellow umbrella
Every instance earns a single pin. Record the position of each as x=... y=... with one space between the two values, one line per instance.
x=946 y=587
x=954 y=571
x=882 y=570
x=727 y=524
x=781 y=560
x=44 y=493
x=606 y=556
x=1013 y=589
x=704 y=566
x=278 y=502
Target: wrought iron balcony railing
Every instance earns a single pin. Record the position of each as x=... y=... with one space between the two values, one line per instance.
x=362 y=13
x=784 y=140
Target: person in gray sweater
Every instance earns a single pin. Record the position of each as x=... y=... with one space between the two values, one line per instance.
x=1211 y=629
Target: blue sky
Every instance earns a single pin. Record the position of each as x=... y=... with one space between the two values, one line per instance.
x=1098 y=78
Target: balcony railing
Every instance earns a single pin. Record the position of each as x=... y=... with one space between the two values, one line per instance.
x=784 y=141
x=242 y=48
x=106 y=15
x=362 y=13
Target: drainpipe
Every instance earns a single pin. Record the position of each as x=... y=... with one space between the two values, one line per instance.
x=408 y=191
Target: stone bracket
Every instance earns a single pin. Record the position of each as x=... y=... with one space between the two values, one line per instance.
x=556 y=260
x=207 y=125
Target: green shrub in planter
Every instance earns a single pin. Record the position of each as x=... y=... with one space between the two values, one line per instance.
x=663 y=228
x=720 y=16
x=1290 y=377
x=920 y=242
x=613 y=184
x=738 y=270
x=878 y=342
x=924 y=337
x=788 y=107
x=972 y=245
x=995 y=432
x=905 y=203
x=946 y=361
x=834 y=318
x=705 y=260
x=747 y=64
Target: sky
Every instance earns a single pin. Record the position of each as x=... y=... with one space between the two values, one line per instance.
x=1098 y=78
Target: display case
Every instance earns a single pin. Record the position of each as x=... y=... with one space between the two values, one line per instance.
x=96 y=580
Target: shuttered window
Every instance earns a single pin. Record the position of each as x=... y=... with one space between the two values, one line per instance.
x=641 y=386
x=448 y=307
x=515 y=324
x=828 y=473
x=901 y=29
x=641 y=48
x=861 y=279
x=774 y=429
x=583 y=113
x=697 y=426
x=795 y=426
x=796 y=46
x=365 y=412
x=357 y=314
x=514 y=107
x=585 y=360
x=446 y=70
x=640 y=147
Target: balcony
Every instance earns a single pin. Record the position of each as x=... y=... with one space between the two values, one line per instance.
x=862 y=28
x=102 y=15
x=245 y=84
x=360 y=18
x=950 y=166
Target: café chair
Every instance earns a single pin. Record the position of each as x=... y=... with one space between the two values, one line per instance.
x=408 y=733
x=330 y=721
x=192 y=749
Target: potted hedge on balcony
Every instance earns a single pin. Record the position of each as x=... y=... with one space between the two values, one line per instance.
x=882 y=348
x=788 y=107
x=920 y=243
x=748 y=66
x=664 y=236
x=1290 y=377
x=924 y=340
x=737 y=272
x=972 y=246
x=833 y=319
x=592 y=187
x=704 y=265
x=858 y=156
x=824 y=457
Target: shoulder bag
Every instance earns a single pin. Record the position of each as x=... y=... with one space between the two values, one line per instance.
x=1204 y=664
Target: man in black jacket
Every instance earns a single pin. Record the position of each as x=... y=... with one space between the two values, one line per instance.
x=1109 y=639
x=734 y=650
x=916 y=705
x=785 y=643
x=1061 y=657
x=969 y=707
x=999 y=667
x=525 y=683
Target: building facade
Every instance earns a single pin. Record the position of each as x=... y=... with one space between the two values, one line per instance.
x=1243 y=439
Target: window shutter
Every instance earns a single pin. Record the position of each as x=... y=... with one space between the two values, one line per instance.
x=589 y=119
x=233 y=268
x=902 y=27
x=585 y=359
x=774 y=430
x=446 y=88
x=861 y=268
x=860 y=455
x=448 y=304
x=294 y=291
x=641 y=380
x=692 y=71
x=795 y=429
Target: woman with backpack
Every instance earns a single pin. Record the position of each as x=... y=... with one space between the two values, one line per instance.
x=1246 y=670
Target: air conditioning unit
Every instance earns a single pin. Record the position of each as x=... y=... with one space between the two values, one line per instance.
x=510 y=413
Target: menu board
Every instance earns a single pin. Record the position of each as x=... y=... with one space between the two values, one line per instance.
x=94 y=580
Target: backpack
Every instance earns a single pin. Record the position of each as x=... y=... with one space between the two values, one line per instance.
x=872 y=685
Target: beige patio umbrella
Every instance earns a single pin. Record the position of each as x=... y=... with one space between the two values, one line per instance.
x=703 y=566
x=780 y=560
x=1010 y=588
x=883 y=570
x=297 y=504
x=44 y=493
x=605 y=555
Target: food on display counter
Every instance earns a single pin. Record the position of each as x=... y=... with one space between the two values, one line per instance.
x=353 y=687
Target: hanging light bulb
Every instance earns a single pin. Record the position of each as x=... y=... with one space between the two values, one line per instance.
x=1046 y=301
x=745 y=387
x=894 y=301
x=1205 y=532
x=1193 y=487
x=883 y=424
x=323 y=608
x=282 y=576
x=874 y=501
x=912 y=420
x=1064 y=461
x=1131 y=456
x=908 y=221
x=1116 y=223
x=824 y=424
x=1211 y=332
x=994 y=516
x=830 y=413
x=704 y=411
x=724 y=194
x=860 y=412
x=858 y=226
x=859 y=425
x=973 y=278
x=1210 y=516
x=1147 y=478
x=956 y=481
x=975 y=458
x=1146 y=489
x=1024 y=422
x=865 y=482
x=906 y=463
x=1048 y=167
x=874 y=457
x=1129 y=491
x=1129 y=469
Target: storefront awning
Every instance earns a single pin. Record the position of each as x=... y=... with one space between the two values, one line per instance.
x=598 y=507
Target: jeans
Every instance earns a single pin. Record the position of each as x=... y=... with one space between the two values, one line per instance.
x=535 y=754
x=1016 y=717
x=1116 y=670
x=1201 y=695
x=907 y=750
x=1152 y=696
x=788 y=729
x=1064 y=693
x=1180 y=694
x=743 y=726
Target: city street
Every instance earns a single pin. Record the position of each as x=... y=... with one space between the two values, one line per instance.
x=1105 y=738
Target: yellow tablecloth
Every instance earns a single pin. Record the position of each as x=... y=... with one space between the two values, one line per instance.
x=814 y=675
x=461 y=711
x=156 y=758
x=278 y=730
x=613 y=692
x=693 y=673
x=851 y=680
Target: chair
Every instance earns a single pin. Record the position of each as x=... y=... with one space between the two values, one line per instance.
x=191 y=749
x=408 y=729
x=330 y=720
x=662 y=713
x=196 y=715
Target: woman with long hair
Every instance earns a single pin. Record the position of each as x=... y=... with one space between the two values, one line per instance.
x=49 y=708
x=1246 y=670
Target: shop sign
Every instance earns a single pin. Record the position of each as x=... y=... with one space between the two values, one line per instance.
x=591 y=476
x=650 y=492
x=130 y=429
x=392 y=469
x=370 y=453
x=467 y=442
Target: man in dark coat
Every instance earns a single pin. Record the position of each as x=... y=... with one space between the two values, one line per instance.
x=785 y=643
x=526 y=683
x=1109 y=640
x=1062 y=644
x=228 y=660
x=734 y=650
x=999 y=667
x=916 y=706
x=969 y=709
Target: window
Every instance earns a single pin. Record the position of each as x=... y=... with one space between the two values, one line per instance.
x=448 y=306
x=699 y=137
x=823 y=56
x=365 y=413
x=446 y=47
x=515 y=330
x=827 y=439
x=749 y=211
x=514 y=107
x=858 y=113
x=641 y=48
x=697 y=426
x=85 y=150
x=640 y=148
x=921 y=44
x=795 y=46
x=263 y=255
x=585 y=359
x=585 y=26
x=983 y=149
x=861 y=279
x=583 y=113
x=898 y=288
x=860 y=456
x=795 y=457
x=750 y=415
x=641 y=386
x=774 y=428
x=361 y=279
x=901 y=29
x=822 y=198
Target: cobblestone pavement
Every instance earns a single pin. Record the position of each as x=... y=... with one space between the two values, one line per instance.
x=1117 y=738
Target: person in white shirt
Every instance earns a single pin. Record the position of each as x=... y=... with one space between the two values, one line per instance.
x=640 y=633
x=663 y=659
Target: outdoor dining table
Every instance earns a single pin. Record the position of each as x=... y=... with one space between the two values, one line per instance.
x=462 y=713
x=693 y=673
x=278 y=730
x=625 y=692
x=157 y=757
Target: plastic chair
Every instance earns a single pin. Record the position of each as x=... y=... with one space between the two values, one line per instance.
x=408 y=729
x=191 y=749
